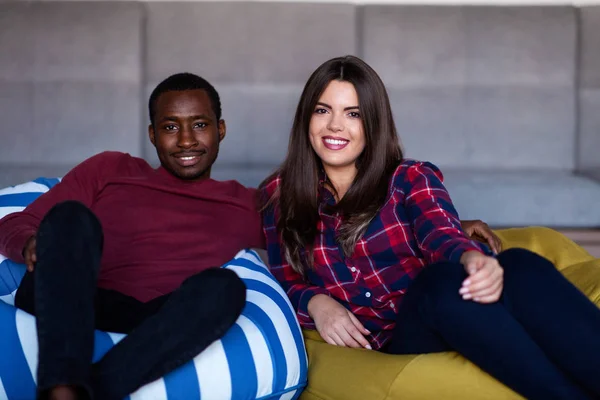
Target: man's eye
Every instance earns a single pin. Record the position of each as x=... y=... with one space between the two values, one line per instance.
x=169 y=127
x=200 y=125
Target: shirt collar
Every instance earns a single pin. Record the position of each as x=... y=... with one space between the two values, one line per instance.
x=325 y=195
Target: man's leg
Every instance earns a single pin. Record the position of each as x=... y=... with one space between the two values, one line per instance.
x=433 y=317
x=195 y=315
x=119 y=313
x=115 y=312
x=69 y=249
x=562 y=321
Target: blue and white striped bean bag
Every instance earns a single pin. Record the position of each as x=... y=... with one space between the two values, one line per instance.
x=261 y=357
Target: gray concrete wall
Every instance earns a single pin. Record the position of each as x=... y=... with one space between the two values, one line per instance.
x=589 y=93
x=505 y=99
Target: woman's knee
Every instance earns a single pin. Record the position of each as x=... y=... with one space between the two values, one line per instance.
x=441 y=275
x=519 y=261
x=439 y=287
x=441 y=280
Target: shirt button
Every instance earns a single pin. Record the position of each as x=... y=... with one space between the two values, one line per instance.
x=368 y=294
x=392 y=305
x=353 y=269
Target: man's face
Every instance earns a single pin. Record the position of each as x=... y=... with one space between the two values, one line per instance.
x=186 y=133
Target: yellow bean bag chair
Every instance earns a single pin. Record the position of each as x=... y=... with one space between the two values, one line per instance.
x=338 y=373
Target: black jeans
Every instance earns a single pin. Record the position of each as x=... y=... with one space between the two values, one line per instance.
x=542 y=339
x=162 y=335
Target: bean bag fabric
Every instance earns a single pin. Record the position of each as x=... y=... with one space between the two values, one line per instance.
x=261 y=357
x=355 y=374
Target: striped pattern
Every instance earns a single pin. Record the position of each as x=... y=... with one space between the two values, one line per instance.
x=14 y=199
x=261 y=357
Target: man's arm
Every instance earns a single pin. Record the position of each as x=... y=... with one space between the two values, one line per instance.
x=257 y=229
x=80 y=184
x=480 y=231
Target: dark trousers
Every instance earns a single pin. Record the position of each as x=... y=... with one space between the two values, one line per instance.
x=542 y=339
x=163 y=334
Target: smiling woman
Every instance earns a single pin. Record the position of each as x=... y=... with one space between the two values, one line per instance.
x=371 y=252
x=336 y=128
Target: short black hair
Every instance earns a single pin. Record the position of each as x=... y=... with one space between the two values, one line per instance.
x=181 y=82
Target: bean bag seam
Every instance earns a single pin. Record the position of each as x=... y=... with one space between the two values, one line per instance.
x=393 y=383
x=318 y=396
x=277 y=394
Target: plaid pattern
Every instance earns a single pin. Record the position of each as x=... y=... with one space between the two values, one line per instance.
x=417 y=226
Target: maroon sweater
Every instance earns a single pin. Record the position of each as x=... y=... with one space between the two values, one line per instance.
x=158 y=229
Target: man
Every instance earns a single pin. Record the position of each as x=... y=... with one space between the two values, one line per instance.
x=122 y=247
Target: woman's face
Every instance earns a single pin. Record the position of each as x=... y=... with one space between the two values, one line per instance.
x=336 y=129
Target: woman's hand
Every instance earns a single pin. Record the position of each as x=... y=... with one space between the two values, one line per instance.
x=335 y=324
x=486 y=278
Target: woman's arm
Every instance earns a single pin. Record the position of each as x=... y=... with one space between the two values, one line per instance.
x=434 y=219
x=297 y=288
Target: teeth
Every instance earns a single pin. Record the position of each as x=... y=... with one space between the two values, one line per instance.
x=336 y=141
x=187 y=158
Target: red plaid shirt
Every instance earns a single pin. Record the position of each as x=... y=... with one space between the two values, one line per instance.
x=416 y=226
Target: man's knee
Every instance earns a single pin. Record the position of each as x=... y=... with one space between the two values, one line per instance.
x=68 y=208
x=70 y=212
x=224 y=286
x=217 y=278
x=72 y=215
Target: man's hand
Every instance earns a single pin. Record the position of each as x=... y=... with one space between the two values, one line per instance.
x=486 y=278
x=336 y=324
x=480 y=231
x=29 y=253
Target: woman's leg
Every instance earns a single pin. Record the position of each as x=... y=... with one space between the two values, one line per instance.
x=561 y=320
x=433 y=317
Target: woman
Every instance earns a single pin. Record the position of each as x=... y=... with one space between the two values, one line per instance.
x=370 y=250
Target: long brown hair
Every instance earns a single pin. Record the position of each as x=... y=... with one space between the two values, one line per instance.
x=297 y=197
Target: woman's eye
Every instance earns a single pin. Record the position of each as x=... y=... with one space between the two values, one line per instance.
x=355 y=114
x=320 y=111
